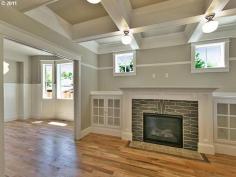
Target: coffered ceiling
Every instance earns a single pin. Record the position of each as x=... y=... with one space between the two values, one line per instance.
x=152 y=23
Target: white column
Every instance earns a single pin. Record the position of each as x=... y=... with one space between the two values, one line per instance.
x=126 y=128
x=206 y=124
x=77 y=99
x=1 y=110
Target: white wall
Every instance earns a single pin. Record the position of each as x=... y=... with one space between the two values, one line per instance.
x=50 y=108
x=17 y=94
x=1 y=110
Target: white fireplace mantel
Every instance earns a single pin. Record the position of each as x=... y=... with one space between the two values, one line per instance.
x=205 y=110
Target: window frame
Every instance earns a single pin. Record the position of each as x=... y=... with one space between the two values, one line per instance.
x=57 y=79
x=44 y=62
x=125 y=73
x=205 y=70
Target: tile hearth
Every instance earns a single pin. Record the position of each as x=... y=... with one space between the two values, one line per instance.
x=179 y=152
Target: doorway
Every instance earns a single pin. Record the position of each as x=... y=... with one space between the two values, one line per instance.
x=26 y=82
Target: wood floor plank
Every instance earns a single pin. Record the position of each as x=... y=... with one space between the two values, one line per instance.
x=43 y=150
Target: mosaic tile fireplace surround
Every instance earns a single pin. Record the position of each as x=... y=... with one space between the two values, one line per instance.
x=187 y=110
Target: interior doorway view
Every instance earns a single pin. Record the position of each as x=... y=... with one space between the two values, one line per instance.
x=38 y=93
x=38 y=84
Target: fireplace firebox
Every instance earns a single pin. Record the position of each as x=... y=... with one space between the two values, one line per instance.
x=163 y=129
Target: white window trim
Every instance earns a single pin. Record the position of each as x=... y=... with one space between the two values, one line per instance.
x=42 y=77
x=126 y=73
x=205 y=70
x=57 y=76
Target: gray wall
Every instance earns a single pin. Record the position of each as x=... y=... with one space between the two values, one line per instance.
x=18 y=65
x=15 y=73
x=35 y=67
x=179 y=75
x=89 y=83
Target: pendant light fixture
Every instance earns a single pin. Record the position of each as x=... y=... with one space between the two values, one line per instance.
x=211 y=25
x=94 y=1
x=126 y=38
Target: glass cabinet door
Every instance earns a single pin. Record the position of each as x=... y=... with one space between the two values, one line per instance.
x=226 y=122
x=113 y=116
x=98 y=111
x=106 y=111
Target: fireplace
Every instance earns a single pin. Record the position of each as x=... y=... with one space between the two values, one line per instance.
x=186 y=119
x=163 y=129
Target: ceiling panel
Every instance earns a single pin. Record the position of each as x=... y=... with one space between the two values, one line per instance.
x=25 y=5
x=77 y=11
x=141 y=3
x=163 y=31
x=231 y=5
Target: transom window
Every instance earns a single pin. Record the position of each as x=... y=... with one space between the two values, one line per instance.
x=210 y=57
x=124 y=63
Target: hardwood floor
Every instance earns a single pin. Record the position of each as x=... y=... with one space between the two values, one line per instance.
x=43 y=150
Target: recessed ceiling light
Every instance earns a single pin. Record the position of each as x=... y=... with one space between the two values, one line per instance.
x=126 y=39
x=94 y=1
x=211 y=25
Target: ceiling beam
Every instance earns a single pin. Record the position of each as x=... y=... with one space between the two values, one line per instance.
x=214 y=6
x=120 y=12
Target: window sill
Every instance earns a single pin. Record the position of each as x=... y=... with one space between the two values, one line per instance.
x=65 y=99
x=125 y=74
x=47 y=98
x=210 y=70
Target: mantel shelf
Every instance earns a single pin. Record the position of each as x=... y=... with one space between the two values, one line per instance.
x=170 y=89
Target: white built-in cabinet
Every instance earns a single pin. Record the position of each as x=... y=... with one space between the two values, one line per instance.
x=106 y=110
x=225 y=121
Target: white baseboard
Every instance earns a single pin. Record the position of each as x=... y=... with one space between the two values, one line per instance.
x=225 y=149
x=9 y=119
x=107 y=131
x=85 y=132
x=101 y=130
x=206 y=148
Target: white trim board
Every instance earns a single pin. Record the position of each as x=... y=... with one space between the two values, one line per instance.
x=112 y=93
x=225 y=149
x=147 y=65
x=89 y=66
x=101 y=130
